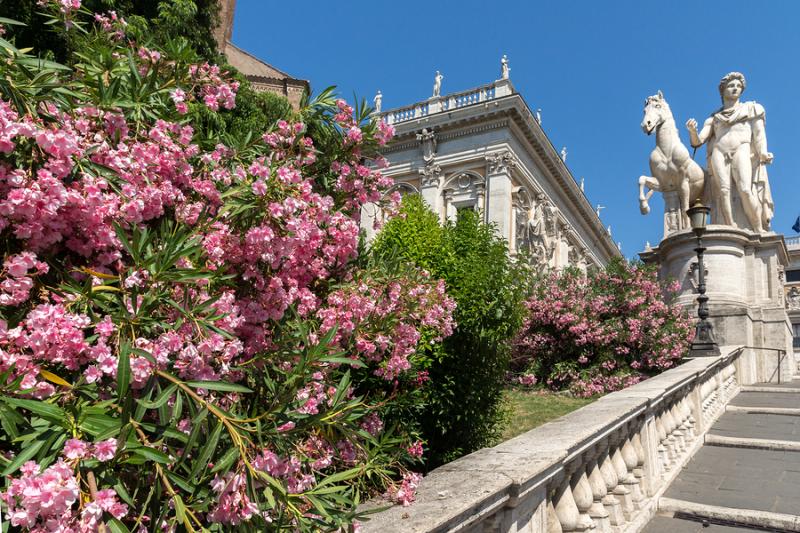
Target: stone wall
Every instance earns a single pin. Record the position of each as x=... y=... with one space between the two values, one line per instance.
x=603 y=466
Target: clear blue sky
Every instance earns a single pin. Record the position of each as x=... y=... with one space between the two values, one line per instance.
x=588 y=64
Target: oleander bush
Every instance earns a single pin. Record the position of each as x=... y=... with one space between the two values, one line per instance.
x=463 y=408
x=190 y=339
x=600 y=332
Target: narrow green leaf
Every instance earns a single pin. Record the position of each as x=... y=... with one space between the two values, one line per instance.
x=46 y=410
x=117 y=527
x=29 y=451
x=123 y=369
x=218 y=386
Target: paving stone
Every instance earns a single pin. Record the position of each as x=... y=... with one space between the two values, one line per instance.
x=745 y=478
x=758 y=426
x=766 y=399
x=795 y=384
x=663 y=524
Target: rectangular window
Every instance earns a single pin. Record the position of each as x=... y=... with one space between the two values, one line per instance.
x=792 y=276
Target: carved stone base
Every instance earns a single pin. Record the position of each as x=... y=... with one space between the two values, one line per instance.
x=745 y=293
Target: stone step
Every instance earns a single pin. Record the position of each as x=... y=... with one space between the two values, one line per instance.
x=743 y=517
x=679 y=524
x=767 y=388
x=756 y=444
x=791 y=411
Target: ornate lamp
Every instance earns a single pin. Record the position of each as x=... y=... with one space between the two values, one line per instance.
x=704 y=343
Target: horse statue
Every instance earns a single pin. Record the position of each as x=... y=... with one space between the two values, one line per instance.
x=671 y=166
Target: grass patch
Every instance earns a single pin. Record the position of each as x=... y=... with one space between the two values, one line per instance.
x=529 y=409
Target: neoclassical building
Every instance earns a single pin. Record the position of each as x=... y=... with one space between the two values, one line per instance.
x=484 y=149
x=792 y=290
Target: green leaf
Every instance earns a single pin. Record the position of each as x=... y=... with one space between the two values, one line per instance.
x=46 y=410
x=29 y=451
x=123 y=369
x=205 y=454
x=218 y=386
x=161 y=399
x=150 y=454
x=227 y=460
x=116 y=526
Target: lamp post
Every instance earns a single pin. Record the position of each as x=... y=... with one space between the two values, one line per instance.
x=704 y=343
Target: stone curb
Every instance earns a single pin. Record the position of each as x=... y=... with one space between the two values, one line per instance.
x=780 y=390
x=763 y=410
x=757 y=444
x=744 y=517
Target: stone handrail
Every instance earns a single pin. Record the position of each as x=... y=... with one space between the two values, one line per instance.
x=438 y=104
x=793 y=242
x=601 y=467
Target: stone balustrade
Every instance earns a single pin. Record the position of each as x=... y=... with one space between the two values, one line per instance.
x=602 y=467
x=449 y=102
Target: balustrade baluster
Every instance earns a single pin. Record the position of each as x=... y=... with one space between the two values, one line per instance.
x=612 y=504
x=553 y=524
x=582 y=493
x=567 y=510
x=597 y=511
x=663 y=455
x=621 y=491
x=631 y=481
x=638 y=471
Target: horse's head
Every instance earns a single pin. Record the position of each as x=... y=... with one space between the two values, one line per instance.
x=656 y=111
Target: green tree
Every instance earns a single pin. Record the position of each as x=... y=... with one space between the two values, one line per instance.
x=463 y=409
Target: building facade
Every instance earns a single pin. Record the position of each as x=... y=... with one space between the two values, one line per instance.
x=262 y=75
x=792 y=288
x=484 y=149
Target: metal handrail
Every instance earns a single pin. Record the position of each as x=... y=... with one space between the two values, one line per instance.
x=781 y=354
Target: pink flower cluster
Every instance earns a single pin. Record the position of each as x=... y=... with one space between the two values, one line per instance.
x=78 y=449
x=46 y=501
x=601 y=332
x=17 y=286
x=215 y=90
x=78 y=185
x=363 y=305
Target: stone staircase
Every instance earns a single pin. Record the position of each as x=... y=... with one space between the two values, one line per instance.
x=747 y=474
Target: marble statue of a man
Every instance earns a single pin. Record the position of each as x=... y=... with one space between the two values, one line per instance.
x=378 y=102
x=736 y=144
x=437 y=84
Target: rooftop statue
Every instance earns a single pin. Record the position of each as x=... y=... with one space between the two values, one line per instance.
x=671 y=167
x=736 y=144
x=378 y=101
x=504 y=69
x=437 y=84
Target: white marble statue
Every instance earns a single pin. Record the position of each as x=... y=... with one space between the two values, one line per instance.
x=564 y=154
x=427 y=139
x=437 y=84
x=539 y=116
x=671 y=167
x=378 y=101
x=736 y=144
x=504 y=70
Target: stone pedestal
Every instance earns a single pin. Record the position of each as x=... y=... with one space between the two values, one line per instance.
x=744 y=289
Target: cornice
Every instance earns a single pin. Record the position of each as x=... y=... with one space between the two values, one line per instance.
x=497 y=114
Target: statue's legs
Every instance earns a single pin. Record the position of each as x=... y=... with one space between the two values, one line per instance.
x=683 y=196
x=651 y=184
x=722 y=175
x=744 y=181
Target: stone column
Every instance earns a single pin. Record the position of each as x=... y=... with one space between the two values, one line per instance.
x=430 y=185
x=498 y=205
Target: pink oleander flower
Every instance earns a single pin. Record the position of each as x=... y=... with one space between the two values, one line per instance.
x=75 y=449
x=105 y=450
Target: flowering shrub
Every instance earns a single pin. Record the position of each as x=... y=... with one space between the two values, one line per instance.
x=188 y=338
x=600 y=332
